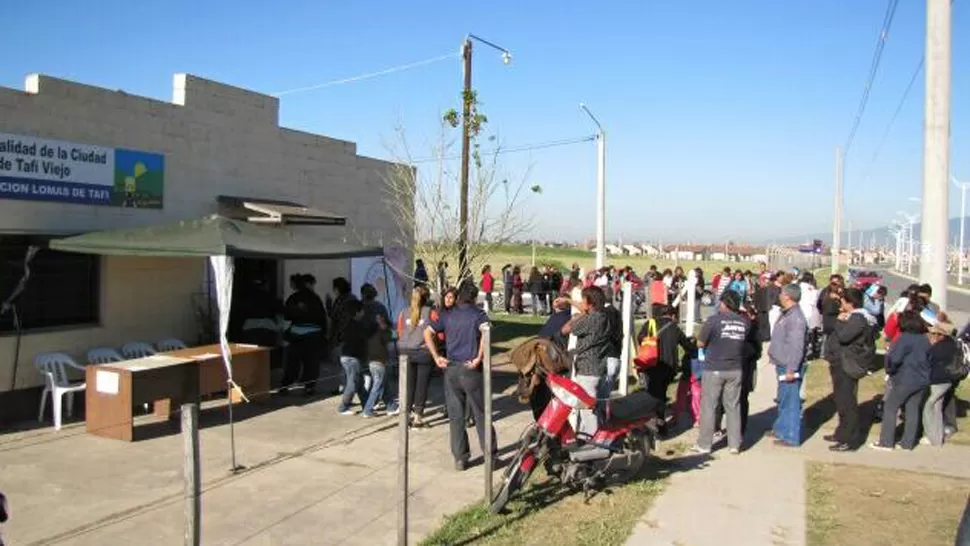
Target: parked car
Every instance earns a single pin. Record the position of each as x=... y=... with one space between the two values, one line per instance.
x=860 y=277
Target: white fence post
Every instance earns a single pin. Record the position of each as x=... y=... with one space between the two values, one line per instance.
x=402 y=450
x=627 y=308
x=489 y=440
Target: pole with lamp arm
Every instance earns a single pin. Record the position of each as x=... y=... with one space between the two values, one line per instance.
x=963 y=214
x=600 y=189
x=467 y=98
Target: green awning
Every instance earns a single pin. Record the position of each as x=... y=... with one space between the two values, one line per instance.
x=213 y=236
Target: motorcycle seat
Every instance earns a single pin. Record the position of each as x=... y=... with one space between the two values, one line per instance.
x=635 y=406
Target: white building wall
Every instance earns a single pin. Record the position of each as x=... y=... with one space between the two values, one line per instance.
x=217 y=140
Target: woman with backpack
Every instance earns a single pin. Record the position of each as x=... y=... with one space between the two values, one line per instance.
x=411 y=324
x=669 y=339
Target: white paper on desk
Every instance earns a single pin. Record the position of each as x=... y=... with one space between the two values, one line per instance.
x=247 y=345
x=106 y=382
x=206 y=356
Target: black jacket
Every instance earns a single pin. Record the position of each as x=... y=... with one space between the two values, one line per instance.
x=852 y=345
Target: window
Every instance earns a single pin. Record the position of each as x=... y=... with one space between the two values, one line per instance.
x=63 y=289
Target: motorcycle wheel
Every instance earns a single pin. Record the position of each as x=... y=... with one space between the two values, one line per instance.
x=514 y=479
x=637 y=447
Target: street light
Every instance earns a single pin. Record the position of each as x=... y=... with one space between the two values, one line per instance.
x=963 y=213
x=600 y=189
x=466 y=54
x=910 y=220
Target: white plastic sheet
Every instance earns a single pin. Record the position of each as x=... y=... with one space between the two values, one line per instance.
x=222 y=269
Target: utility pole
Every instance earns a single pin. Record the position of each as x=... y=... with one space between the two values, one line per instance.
x=464 y=271
x=600 y=189
x=837 y=219
x=935 y=226
x=467 y=97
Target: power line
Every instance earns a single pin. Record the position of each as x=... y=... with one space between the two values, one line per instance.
x=513 y=149
x=887 y=23
x=892 y=121
x=393 y=69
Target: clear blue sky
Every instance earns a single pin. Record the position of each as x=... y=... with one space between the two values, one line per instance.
x=722 y=116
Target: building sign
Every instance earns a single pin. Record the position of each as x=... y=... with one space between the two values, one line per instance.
x=38 y=169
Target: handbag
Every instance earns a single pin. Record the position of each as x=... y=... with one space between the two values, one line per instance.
x=648 y=353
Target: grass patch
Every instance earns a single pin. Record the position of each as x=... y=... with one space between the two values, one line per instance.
x=510 y=330
x=544 y=514
x=862 y=505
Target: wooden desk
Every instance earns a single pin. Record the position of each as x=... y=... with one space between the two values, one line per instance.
x=167 y=380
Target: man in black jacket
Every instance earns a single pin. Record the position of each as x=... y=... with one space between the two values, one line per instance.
x=849 y=350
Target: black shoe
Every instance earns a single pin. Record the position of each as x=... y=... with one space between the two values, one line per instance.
x=830 y=438
x=840 y=447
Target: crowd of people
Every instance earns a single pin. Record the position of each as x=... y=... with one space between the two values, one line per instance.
x=778 y=319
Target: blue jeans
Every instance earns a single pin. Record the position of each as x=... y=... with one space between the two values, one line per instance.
x=353 y=382
x=788 y=425
x=378 y=371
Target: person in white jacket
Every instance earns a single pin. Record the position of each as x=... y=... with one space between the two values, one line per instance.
x=809 y=306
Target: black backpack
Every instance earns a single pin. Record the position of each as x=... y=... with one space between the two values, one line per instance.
x=958 y=368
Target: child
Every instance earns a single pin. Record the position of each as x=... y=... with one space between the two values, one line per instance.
x=689 y=388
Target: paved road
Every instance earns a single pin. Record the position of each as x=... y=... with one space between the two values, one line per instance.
x=958 y=301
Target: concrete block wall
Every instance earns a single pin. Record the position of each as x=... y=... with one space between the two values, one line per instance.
x=216 y=139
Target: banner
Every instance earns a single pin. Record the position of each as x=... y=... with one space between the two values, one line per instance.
x=38 y=169
x=372 y=270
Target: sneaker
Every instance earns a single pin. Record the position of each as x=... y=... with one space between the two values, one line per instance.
x=394 y=411
x=949 y=431
x=879 y=447
x=718 y=436
x=734 y=451
x=782 y=443
x=840 y=447
x=346 y=411
x=924 y=441
x=367 y=414
x=461 y=465
x=700 y=450
x=830 y=438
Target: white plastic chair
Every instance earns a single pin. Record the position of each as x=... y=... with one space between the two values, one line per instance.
x=103 y=355
x=137 y=349
x=171 y=344
x=53 y=366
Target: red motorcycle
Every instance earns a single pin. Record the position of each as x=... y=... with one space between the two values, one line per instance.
x=615 y=453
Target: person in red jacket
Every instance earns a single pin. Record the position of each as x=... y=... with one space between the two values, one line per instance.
x=488 y=284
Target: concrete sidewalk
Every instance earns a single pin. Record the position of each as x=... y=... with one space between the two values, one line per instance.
x=313 y=477
x=752 y=499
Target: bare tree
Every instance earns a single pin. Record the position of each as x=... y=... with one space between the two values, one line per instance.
x=421 y=194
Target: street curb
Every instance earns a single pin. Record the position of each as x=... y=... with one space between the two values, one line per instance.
x=914 y=279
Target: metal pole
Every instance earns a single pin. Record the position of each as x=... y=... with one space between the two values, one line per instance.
x=192 y=474
x=402 y=451
x=463 y=270
x=533 y=252
x=627 y=308
x=912 y=245
x=837 y=214
x=487 y=376
x=601 y=199
x=963 y=215
x=848 y=243
x=935 y=224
